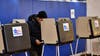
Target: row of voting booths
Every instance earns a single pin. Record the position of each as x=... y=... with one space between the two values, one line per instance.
x=13 y=37
x=88 y=28
x=61 y=31
x=57 y=32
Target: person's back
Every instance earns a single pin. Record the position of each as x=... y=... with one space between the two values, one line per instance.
x=35 y=32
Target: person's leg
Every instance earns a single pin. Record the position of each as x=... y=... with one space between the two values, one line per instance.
x=33 y=53
x=5 y=54
x=39 y=51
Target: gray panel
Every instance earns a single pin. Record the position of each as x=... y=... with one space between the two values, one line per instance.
x=48 y=31
x=83 y=27
x=65 y=29
x=1 y=41
x=95 y=26
x=16 y=42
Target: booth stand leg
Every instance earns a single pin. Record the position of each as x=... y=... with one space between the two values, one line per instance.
x=43 y=50
x=57 y=51
x=71 y=49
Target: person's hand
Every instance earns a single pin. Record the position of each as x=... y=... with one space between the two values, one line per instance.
x=38 y=42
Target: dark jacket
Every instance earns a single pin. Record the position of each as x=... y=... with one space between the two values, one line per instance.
x=35 y=33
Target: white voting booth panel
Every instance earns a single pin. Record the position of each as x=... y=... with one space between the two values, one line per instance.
x=65 y=30
x=82 y=27
x=18 y=21
x=48 y=31
x=1 y=41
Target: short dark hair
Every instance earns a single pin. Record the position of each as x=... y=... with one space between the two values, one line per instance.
x=42 y=14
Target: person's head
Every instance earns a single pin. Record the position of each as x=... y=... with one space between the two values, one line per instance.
x=41 y=15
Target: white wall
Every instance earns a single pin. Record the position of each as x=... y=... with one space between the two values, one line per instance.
x=93 y=9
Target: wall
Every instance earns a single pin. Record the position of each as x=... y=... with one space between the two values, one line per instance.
x=23 y=8
x=93 y=9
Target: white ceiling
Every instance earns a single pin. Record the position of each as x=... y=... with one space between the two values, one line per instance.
x=65 y=0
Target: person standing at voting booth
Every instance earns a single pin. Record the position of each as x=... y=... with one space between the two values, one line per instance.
x=34 y=22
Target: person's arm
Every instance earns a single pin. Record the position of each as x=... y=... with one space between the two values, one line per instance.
x=36 y=41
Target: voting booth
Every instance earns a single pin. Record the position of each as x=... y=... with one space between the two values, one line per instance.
x=65 y=30
x=15 y=38
x=83 y=27
x=88 y=27
x=18 y=21
x=95 y=22
x=49 y=31
x=1 y=41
